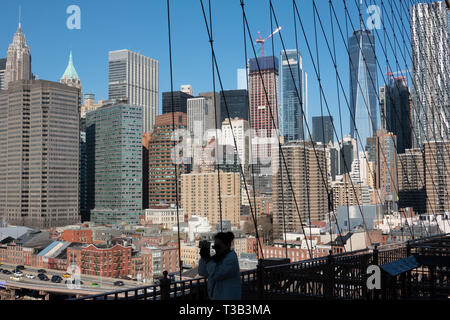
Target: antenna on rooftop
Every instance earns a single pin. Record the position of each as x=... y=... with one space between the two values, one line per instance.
x=20 y=16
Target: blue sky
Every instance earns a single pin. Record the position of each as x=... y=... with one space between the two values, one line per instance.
x=141 y=25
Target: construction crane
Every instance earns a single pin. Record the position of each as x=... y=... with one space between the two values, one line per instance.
x=391 y=74
x=261 y=40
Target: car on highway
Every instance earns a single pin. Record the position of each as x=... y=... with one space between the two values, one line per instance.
x=42 y=277
x=73 y=281
x=42 y=271
x=94 y=284
x=6 y=271
x=20 y=267
x=119 y=283
x=66 y=275
x=30 y=276
x=18 y=274
x=15 y=278
x=56 y=279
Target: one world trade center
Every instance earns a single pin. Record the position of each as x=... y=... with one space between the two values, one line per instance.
x=363 y=84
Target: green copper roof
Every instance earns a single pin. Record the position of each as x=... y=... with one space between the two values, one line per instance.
x=70 y=72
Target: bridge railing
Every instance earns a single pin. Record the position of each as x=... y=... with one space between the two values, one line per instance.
x=339 y=276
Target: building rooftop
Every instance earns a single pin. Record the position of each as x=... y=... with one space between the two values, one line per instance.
x=70 y=72
x=13 y=232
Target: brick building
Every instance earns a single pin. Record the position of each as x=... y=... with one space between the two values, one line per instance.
x=102 y=260
x=77 y=236
x=161 y=175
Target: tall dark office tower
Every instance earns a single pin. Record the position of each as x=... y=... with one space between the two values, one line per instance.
x=322 y=129
x=145 y=153
x=293 y=95
x=411 y=180
x=237 y=103
x=179 y=102
x=39 y=153
x=84 y=213
x=2 y=72
x=394 y=111
x=346 y=155
x=334 y=161
x=114 y=163
x=430 y=48
x=371 y=148
x=363 y=85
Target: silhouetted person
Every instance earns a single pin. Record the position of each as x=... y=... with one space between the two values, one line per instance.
x=222 y=269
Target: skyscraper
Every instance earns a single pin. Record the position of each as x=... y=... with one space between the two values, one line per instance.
x=179 y=102
x=394 y=110
x=71 y=79
x=304 y=166
x=237 y=103
x=363 y=85
x=294 y=96
x=334 y=160
x=346 y=154
x=39 y=153
x=217 y=107
x=263 y=94
x=114 y=163
x=430 y=72
x=84 y=212
x=145 y=153
x=162 y=180
x=237 y=130
x=386 y=167
x=259 y=85
x=18 y=59
x=200 y=117
x=2 y=72
x=437 y=176
x=322 y=129
x=135 y=77
x=70 y=76
x=411 y=180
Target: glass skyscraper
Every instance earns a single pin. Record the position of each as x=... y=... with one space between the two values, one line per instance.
x=395 y=113
x=363 y=85
x=114 y=163
x=430 y=48
x=294 y=96
x=322 y=129
x=237 y=103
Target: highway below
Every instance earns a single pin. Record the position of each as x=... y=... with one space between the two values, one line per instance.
x=103 y=284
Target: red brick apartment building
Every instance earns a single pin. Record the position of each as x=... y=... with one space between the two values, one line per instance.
x=101 y=260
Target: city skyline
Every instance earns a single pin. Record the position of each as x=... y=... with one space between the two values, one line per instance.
x=92 y=67
x=135 y=188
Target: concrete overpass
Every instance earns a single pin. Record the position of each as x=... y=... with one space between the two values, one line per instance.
x=8 y=287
